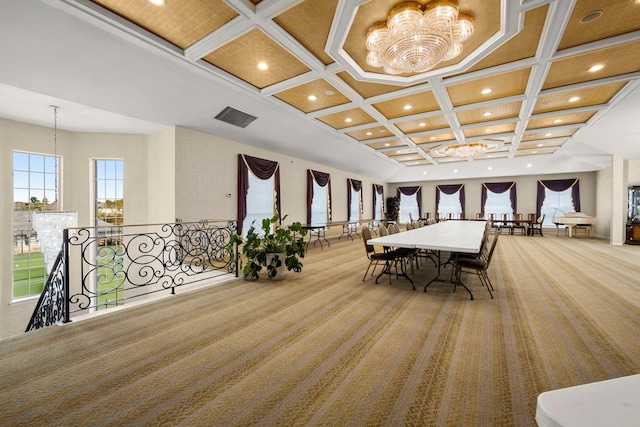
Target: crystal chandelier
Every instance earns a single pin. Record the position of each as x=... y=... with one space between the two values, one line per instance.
x=466 y=150
x=413 y=41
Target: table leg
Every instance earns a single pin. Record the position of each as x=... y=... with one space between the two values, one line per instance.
x=437 y=278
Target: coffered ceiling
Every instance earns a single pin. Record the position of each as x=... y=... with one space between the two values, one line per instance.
x=523 y=84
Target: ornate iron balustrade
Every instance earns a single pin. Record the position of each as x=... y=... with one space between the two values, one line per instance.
x=101 y=267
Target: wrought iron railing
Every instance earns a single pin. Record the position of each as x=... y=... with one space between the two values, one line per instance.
x=101 y=267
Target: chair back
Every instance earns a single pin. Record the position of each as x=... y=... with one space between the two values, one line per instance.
x=532 y=218
x=541 y=219
x=409 y=226
x=518 y=217
x=505 y=217
x=479 y=216
x=394 y=228
x=493 y=247
x=382 y=231
x=366 y=235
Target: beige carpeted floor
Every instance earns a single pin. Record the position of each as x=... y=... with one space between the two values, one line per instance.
x=325 y=348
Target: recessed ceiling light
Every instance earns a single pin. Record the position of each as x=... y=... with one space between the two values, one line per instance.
x=488 y=130
x=263 y=66
x=348 y=120
x=489 y=156
x=595 y=68
x=591 y=16
x=574 y=99
x=557 y=121
x=535 y=152
x=455 y=171
x=422 y=124
x=157 y=2
x=529 y=165
x=540 y=145
x=487 y=114
x=548 y=134
x=486 y=91
x=407 y=107
x=329 y=92
x=386 y=145
x=371 y=133
x=490 y=168
x=433 y=138
x=424 y=173
x=312 y=97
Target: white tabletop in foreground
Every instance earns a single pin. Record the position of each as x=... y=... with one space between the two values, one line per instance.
x=613 y=402
x=457 y=236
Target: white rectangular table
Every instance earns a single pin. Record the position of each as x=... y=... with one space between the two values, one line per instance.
x=613 y=402
x=454 y=236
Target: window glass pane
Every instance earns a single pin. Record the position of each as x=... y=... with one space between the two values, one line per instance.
x=319 y=204
x=498 y=204
x=260 y=201
x=20 y=162
x=450 y=204
x=378 y=208
x=408 y=208
x=556 y=203
x=355 y=205
x=50 y=164
x=36 y=163
x=108 y=190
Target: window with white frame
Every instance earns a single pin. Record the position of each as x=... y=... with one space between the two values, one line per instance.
x=498 y=204
x=34 y=189
x=109 y=192
x=377 y=211
x=355 y=204
x=450 y=204
x=408 y=207
x=556 y=203
x=260 y=201
x=319 y=204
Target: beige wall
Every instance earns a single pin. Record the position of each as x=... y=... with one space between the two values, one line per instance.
x=634 y=172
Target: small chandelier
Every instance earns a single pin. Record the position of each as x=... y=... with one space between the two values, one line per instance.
x=466 y=150
x=413 y=41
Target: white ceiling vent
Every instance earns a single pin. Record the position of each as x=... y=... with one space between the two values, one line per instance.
x=235 y=117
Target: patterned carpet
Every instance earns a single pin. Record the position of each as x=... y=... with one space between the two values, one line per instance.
x=325 y=348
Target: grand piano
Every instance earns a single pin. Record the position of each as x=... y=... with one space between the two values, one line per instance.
x=575 y=219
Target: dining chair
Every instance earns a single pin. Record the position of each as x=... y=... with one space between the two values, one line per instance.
x=519 y=224
x=374 y=257
x=505 y=224
x=478 y=265
x=536 y=227
x=409 y=226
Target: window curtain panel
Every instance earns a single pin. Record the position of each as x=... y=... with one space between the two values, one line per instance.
x=356 y=185
x=261 y=168
x=558 y=185
x=500 y=187
x=377 y=189
x=322 y=179
x=410 y=191
x=451 y=189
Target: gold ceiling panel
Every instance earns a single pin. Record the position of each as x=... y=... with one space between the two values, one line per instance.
x=366 y=89
x=492 y=155
x=447 y=160
x=421 y=125
x=489 y=130
x=501 y=85
x=348 y=118
x=309 y=22
x=617 y=60
x=559 y=133
x=390 y=144
x=327 y=96
x=181 y=23
x=417 y=162
x=256 y=47
x=567 y=119
x=440 y=137
x=371 y=133
x=521 y=46
x=533 y=152
x=618 y=17
x=507 y=110
x=555 y=142
x=486 y=14
x=420 y=103
x=588 y=96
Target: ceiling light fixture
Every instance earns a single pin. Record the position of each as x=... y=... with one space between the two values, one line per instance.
x=486 y=91
x=466 y=150
x=422 y=124
x=574 y=99
x=263 y=66
x=348 y=120
x=312 y=97
x=595 y=68
x=414 y=41
x=487 y=114
x=157 y=2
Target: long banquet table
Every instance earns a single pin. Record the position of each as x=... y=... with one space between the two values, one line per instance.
x=453 y=236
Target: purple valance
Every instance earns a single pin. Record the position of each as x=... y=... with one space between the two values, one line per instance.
x=356 y=185
x=377 y=189
x=261 y=168
x=322 y=179
x=500 y=187
x=410 y=191
x=451 y=189
x=558 y=185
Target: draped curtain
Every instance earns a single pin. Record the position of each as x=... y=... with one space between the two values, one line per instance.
x=451 y=189
x=410 y=191
x=500 y=187
x=377 y=189
x=261 y=168
x=356 y=185
x=558 y=185
x=322 y=179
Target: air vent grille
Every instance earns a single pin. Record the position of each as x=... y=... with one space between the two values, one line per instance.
x=235 y=117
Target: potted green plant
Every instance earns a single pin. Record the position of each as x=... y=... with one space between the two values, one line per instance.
x=276 y=248
x=393 y=209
